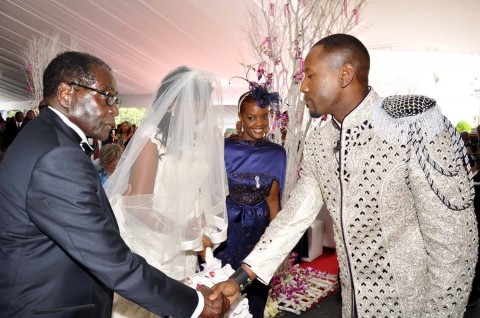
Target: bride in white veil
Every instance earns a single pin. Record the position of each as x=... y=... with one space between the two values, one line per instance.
x=168 y=191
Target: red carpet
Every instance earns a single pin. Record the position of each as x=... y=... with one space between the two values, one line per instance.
x=327 y=262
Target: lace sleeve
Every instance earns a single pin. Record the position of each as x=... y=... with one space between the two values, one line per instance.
x=286 y=229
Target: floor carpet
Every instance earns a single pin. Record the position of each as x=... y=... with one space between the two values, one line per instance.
x=323 y=286
x=327 y=262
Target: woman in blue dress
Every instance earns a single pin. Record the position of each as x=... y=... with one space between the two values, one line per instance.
x=256 y=174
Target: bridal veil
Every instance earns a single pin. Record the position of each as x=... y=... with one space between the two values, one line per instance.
x=170 y=185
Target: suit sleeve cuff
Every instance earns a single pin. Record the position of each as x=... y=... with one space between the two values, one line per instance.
x=200 y=304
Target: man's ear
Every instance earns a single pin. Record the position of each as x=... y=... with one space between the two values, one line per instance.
x=65 y=95
x=347 y=72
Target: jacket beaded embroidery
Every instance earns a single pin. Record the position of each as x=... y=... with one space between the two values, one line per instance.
x=400 y=199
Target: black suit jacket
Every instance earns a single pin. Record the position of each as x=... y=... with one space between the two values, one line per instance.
x=61 y=254
x=11 y=131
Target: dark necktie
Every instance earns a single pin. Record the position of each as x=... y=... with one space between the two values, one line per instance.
x=87 y=149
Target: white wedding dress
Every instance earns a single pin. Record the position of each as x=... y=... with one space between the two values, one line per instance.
x=160 y=250
x=180 y=186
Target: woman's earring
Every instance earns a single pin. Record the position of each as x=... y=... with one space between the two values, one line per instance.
x=239 y=127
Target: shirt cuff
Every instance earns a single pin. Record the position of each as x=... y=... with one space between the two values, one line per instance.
x=200 y=305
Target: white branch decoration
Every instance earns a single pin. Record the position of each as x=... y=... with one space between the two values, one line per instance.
x=36 y=56
x=279 y=37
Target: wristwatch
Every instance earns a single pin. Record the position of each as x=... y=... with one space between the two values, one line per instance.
x=242 y=278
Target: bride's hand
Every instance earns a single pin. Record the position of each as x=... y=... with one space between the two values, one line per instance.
x=206 y=242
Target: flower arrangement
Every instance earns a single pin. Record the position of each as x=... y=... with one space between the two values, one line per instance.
x=36 y=56
x=298 y=289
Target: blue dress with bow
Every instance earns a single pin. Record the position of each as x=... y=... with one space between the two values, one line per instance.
x=252 y=166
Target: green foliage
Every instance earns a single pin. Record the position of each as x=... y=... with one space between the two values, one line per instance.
x=11 y=113
x=463 y=125
x=132 y=115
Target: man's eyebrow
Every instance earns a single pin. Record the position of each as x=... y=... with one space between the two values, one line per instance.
x=108 y=87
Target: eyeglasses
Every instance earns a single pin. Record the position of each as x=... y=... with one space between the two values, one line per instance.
x=110 y=99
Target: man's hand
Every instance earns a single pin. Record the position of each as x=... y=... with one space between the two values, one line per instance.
x=214 y=306
x=228 y=288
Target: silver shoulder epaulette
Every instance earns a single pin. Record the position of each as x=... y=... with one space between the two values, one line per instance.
x=399 y=106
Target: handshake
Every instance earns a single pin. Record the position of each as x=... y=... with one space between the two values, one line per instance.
x=217 y=300
x=226 y=286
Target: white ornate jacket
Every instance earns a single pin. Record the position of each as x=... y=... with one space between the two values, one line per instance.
x=393 y=180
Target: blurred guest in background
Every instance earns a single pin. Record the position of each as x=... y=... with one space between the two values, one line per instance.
x=42 y=105
x=112 y=136
x=107 y=161
x=3 y=123
x=125 y=132
x=31 y=115
x=475 y=293
x=12 y=128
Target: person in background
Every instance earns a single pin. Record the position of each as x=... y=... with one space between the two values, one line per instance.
x=107 y=161
x=42 y=105
x=12 y=129
x=256 y=176
x=112 y=136
x=475 y=293
x=60 y=245
x=390 y=173
x=3 y=123
x=465 y=135
x=28 y=117
x=125 y=132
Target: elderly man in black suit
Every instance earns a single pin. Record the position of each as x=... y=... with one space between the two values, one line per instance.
x=61 y=254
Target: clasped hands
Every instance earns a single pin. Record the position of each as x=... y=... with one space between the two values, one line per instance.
x=218 y=298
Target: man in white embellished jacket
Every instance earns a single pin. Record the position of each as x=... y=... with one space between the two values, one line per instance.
x=391 y=174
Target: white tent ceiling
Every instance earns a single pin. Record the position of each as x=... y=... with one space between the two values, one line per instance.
x=143 y=39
